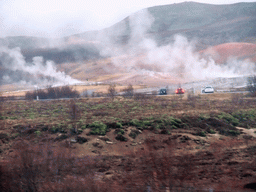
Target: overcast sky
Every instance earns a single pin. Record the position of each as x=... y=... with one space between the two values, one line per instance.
x=58 y=18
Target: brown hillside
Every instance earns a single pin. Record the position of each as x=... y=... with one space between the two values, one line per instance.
x=221 y=53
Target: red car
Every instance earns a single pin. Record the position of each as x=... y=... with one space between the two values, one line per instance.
x=180 y=91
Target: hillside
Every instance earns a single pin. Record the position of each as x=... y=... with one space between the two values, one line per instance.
x=221 y=53
x=209 y=24
x=142 y=43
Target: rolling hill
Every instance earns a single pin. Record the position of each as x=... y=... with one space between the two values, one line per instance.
x=219 y=31
x=209 y=24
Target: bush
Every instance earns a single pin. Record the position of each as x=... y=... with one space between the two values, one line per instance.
x=112 y=91
x=38 y=133
x=114 y=125
x=120 y=137
x=53 y=93
x=202 y=133
x=192 y=99
x=135 y=122
x=211 y=131
x=54 y=129
x=119 y=131
x=98 y=128
x=128 y=92
x=229 y=118
x=233 y=133
x=251 y=85
x=245 y=116
x=142 y=124
x=81 y=140
x=133 y=134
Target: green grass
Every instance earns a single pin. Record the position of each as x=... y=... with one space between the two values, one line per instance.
x=229 y=118
x=98 y=128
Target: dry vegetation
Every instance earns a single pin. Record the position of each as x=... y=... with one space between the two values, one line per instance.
x=132 y=143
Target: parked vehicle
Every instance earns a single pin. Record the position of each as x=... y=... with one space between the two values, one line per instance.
x=163 y=92
x=208 y=89
x=180 y=91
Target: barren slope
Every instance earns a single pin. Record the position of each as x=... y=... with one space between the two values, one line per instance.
x=221 y=53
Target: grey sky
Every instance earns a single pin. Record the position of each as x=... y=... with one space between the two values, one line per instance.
x=57 y=18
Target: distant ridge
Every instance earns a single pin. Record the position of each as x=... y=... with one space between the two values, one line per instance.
x=208 y=24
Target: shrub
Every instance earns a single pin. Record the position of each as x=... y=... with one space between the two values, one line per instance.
x=133 y=134
x=251 y=85
x=120 y=137
x=83 y=126
x=114 y=125
x=119 y=125
x=192 y=99
x=233 y=132
x=53 y=93
x=202 y=133
x=54 y=129
x=245 y=116
x=38 y=133
x=229 y=118
x=211 y=131
x=173 y=122
x=81 y=140
x=74 y=111
x=111 y=91
x=98 y=128
x=128 y=92
x=135 y=122
x=119 y=131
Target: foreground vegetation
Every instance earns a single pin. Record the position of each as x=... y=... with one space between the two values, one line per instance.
x=38 y=140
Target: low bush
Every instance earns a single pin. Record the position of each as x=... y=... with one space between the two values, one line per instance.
x=211 y=131
x=38 y=133
x=246 y=119
x=229 y=118
x=81 y=140
x=53 y=93
x=233 y=132
x=119 y=131
x=98 y=128
x=120 y=137
x=128 y=92
x=134 y=133
x=201 y=133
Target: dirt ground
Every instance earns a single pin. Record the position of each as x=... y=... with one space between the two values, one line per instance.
x=195 y=161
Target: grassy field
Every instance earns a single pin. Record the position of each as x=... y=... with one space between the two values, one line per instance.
x=137 y=143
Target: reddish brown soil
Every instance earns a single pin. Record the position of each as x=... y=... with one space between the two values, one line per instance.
x=221 y=53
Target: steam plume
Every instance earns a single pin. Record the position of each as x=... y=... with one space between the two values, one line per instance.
x=178 y=59
x=36 y=72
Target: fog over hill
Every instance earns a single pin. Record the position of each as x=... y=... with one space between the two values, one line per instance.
x=208 y=24
x=174 y=39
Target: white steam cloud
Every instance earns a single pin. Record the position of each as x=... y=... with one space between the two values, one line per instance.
x=179 y=59
x=39 y=72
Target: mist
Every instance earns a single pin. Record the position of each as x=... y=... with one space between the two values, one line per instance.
x=40 y=72
x=142 y=54
x=132 y=47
